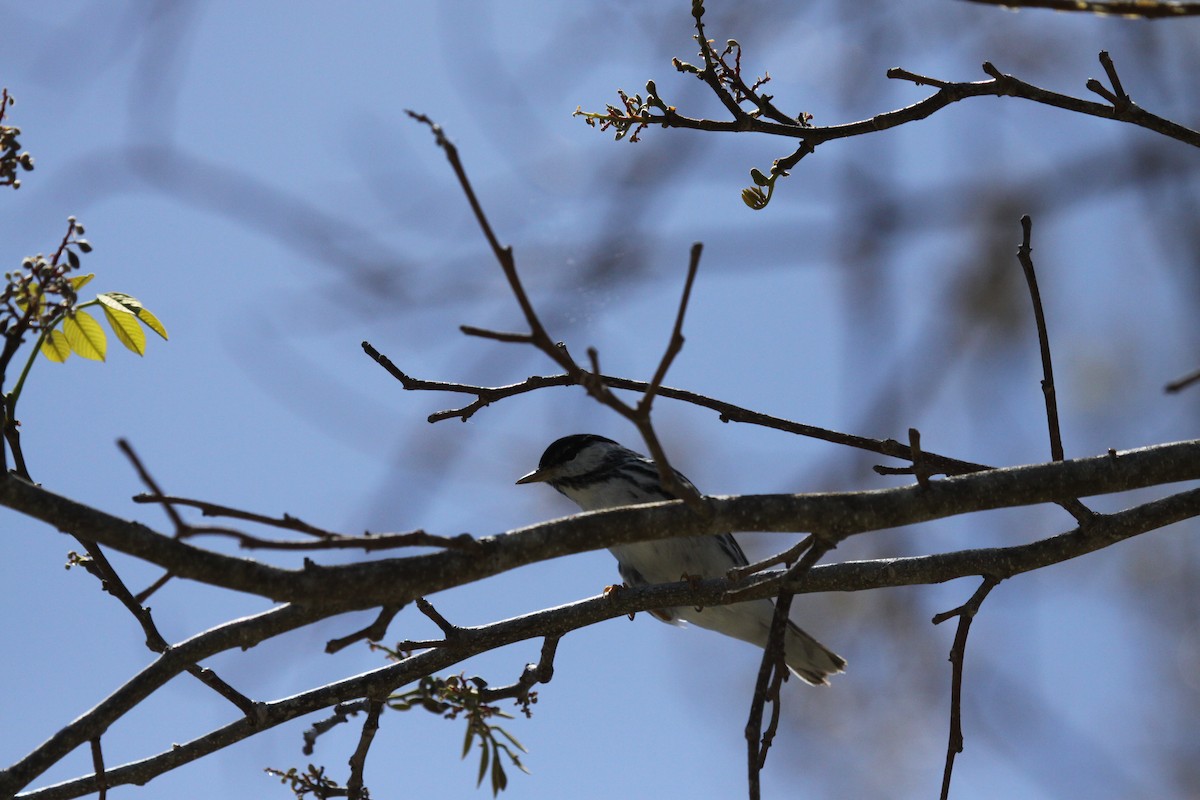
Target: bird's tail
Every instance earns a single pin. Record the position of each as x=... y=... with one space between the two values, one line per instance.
x=808 y=659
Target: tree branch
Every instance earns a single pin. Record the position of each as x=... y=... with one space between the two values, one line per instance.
x=396 y=581
x=999 y=563
x=958 y=653
x=1132 y=9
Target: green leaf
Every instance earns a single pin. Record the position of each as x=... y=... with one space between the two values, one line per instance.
x=79 y=281
x=517 y=762
x=499 y=779
x=124 y=324
x=133 y=306
x=85 y=336
x=483 y=762
x=468 y=740
x=55 y=347
x=511 y=738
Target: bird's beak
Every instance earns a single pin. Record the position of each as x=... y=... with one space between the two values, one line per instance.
x=537 y=476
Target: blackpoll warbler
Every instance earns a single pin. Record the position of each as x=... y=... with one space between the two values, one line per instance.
x=597 y=473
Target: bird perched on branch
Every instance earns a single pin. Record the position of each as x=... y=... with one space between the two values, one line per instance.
x=597 y=473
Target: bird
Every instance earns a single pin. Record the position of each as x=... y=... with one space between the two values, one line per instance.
x=597 y=473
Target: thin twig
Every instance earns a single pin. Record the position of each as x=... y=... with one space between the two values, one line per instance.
x=920 y=469
x=1025 y=257
x=1111 y=71
x=341 y=714
x=327 y=540
x=99 y=565
x=503 y=253
x=640 y=414
x=358 y=760
x=1179 y=384
x=965 y=613
x=540 y=338
x=156 y=494
x=773 y=670
x=532 y=675
x=676 y=342
x=1133 y=9
x=449 y=629
x=366 y=542
x=98 y=769
x=486 y=395
x=948 y=92
x=786 y=557
x=373 y=632
x=499 y=336
x=208 y=509
x=144 y=595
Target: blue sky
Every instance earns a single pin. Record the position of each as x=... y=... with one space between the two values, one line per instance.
x=246 y=170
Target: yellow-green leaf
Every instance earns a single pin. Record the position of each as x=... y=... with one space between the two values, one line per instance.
x=34 y=293
x=124 y=324
x=55 y=347
x=79 y=281
x=152 y=322
x=85 y=336
x=134 y=306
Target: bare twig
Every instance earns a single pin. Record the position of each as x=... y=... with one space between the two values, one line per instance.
x=1179 y=384
x=1024 y=256
x=640 y=414
x=341 y=714
x=503 y=253
x=539 y=338
x=208 y=509
x=965 y=613
x=99 y=565
x=156 y=494
x=719 y=78
x=486 y=395
x=373 y=632
x=366 y=542
x=1133 y=9
x=773 y=670
x=923 y=464
x=786 y=557
x=144 y=595
x=98 y=769
x=449 y=629
x=358 y=759
x=499 y=336
x=326 y=540
x=532 y=675
x=676 y=342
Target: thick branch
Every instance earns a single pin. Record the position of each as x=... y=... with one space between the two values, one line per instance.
x=396 y=581
x=1001 y=562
